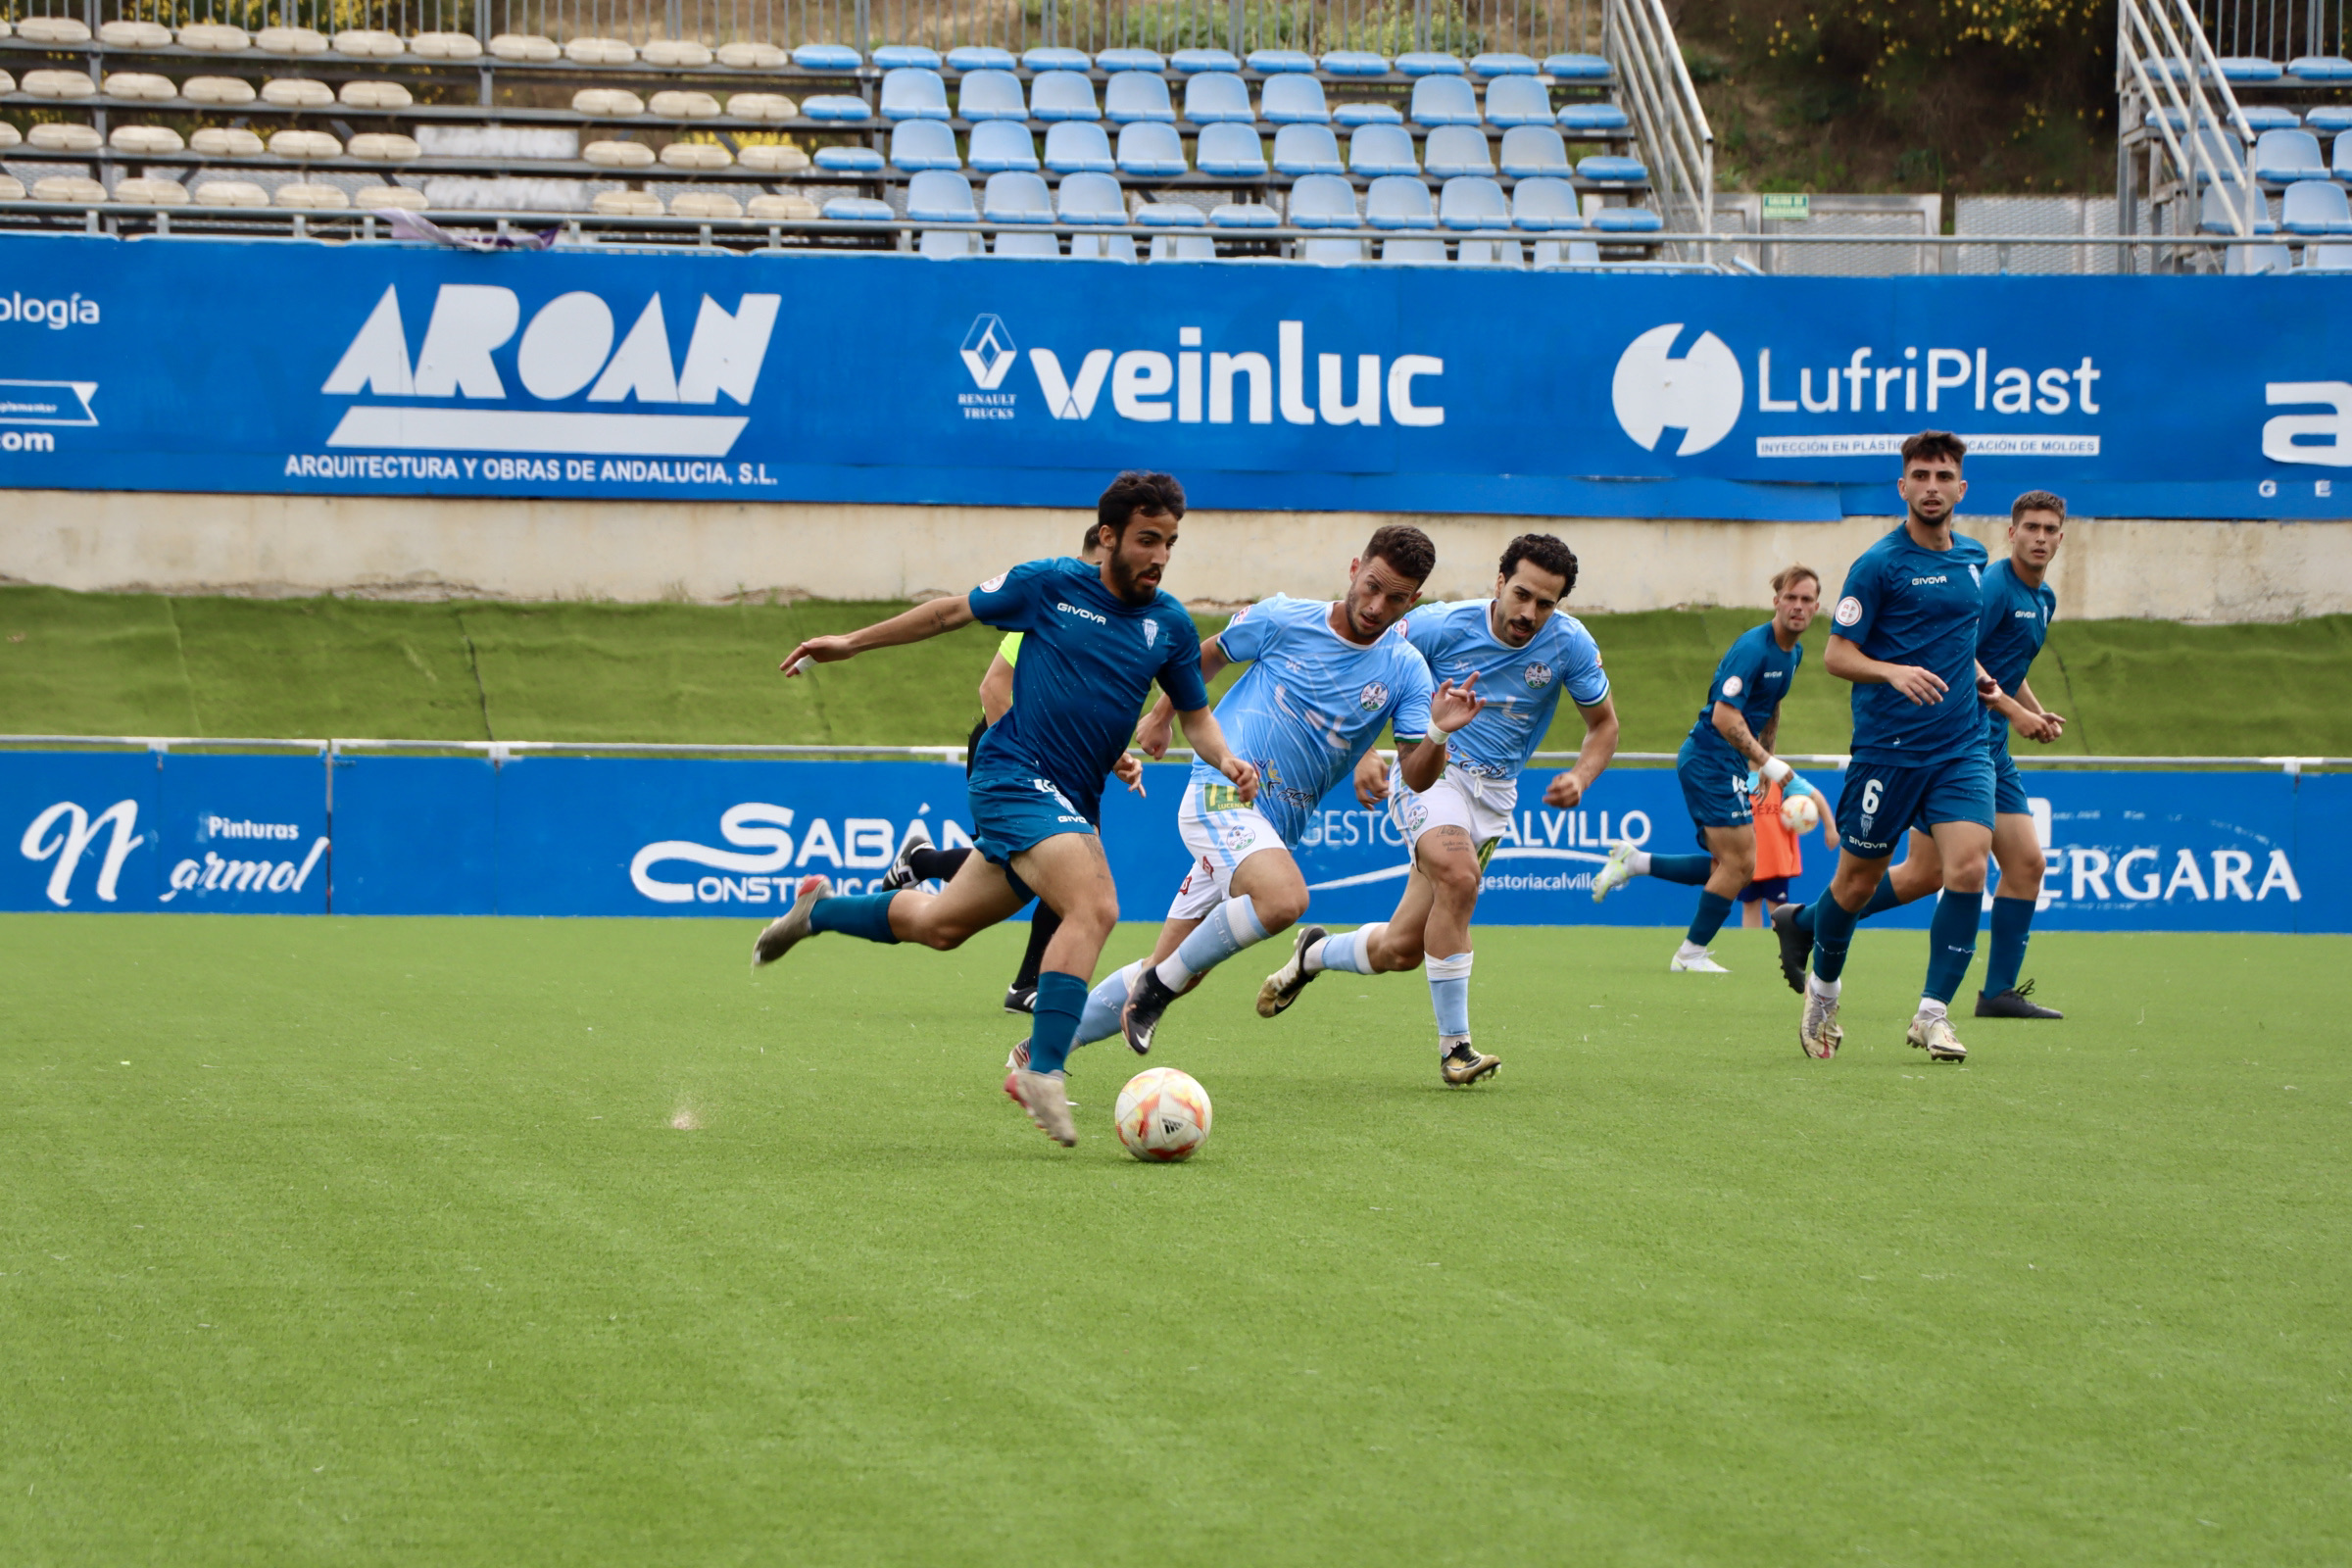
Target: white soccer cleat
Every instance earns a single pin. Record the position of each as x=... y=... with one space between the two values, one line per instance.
x=1041 y=1096
x=1615 y=871
x=792 y=927
x=1700 y=962
x=1933 y=1034
x=902 y=870
x=1282 y=986
x=1819 y=1034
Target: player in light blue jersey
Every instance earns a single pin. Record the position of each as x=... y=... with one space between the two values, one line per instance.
x=1325 y=677
x=1098 y=639
x=1725 y=763
x=1522 y=655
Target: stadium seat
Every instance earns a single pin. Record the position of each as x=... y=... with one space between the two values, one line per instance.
x=1332 y=251
x=1051 y=57
x=2282 y=157
x=826 y=57
x=1367 y=114
x=693 y=155
x=664 y=105
x=1133 y=97
x=948 y=244
x=1078 y=147
x=1131 y=60
x=1091 y=199
x=859 y=210
x=1603 y=169
x=1457 y=150
x=235 y=141
x=2327 y=120
x=741 y=55
x=2213 y=213
x=1471 y=202
x=937 y=195
x=1183 y=248
x=376 y=43
x=921 y=144
x=2237 y=69
x=299 y=92
x=1594 y=117
x=778 y=158
x=2321 y=68
x=1013 y=243
x=2222 y=150
x=2328 y=258
x=623 y=204
x=1491 y=66
x=999 y=145
x=582 y=50
x=1234 y=151
x=61 y=138
x=1444 y=101
x=2315 y=207
x=1281 y=61
x=828 y=106
x=146 y=87
x=1398 y=201
x=686 y=204
x=2246 y=261
x=1382 y=150
x=1354 y=63
x=773 y=106
x=1307 y=150
x=1413 y=250
x=1014 y=197
x=1518 y=101
x=980 y=57
x=2259 y=118
x=1063 y=95
x=1217 y=97
x=985 y=95
x=1323 y=201
x=1151 y=150
x=231 y=193
x=2341 y=167
x=77 y=189
x=537 y=49
x=1576 y=68
x=129 y=35
x=1490 y=250
x=1532 y=151
x=903 y=56
x=915 y=92
x=1171 y=215
x=386 y=197
x=1565 y=253
x=1293 y=101
x=227 y=91
x=673 y=52
x=846 y=159
x=1192 y=62
x=1545 y=205
x=67 y=85
x=1425 y=63
x=1625 y=220
x=151 y=139
x=1244 y=214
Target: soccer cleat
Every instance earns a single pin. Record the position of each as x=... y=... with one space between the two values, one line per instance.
x=1819 y=1034
x=1933 y=1034
x=902 y=870
x=1015 y=1061
x=2012 y=1004
x=1466 y=1064
x=1141 y=1016
x=1615 y=871
x=1700 y=962
x=792 y=925
x=1041 y=1096
x=1796 y=949
x=1282 y=986
x=1021 y=997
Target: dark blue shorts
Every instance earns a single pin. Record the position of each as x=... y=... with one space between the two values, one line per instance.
x=1766 y=890
x=1878 y=804
x=2008 y=784
x=1714 y=788
x=1015 y=811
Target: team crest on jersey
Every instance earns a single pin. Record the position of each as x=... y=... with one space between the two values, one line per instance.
x=995 y=583
x=1537 y=675
x=1732 y=685
x=1238 y=836
x=1849 y=610
x=1151 y=632
x=1373 y=698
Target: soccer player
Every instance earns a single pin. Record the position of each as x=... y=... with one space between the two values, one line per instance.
x=1096 y=641
x=1521 y=654
x=1324 y=679
x=2019 y=604
x=1726 y=763
x=1906 y=637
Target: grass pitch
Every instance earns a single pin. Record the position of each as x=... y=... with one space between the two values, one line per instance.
x=513 y=1242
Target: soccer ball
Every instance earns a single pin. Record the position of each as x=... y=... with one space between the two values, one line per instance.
x=1799 y=813
x=1164 y=1115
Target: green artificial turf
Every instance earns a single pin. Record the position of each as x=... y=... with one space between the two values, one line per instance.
x=336 y=1241
x=148 y=665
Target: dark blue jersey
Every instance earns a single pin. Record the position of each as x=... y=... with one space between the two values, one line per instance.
x=1904 y=604
x=2010 y=630
x=1753 y=677
x=1087 y=659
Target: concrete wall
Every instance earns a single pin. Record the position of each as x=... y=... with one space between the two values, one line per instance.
x=711 y=551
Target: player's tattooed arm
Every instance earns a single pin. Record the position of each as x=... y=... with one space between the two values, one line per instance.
x=1600 y=744
x=1451 y=707
x=1157 y=729
x=911 y=626
x=1732 y=725
x=1848 y=662
x=1207 y=737
x=1770 y=740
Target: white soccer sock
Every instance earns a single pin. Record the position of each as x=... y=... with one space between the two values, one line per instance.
x=1227 y=929
x=1347 y=952
x=1824 y=988
x=1638 y=862
x=1689 y=949
x=1929 y=1007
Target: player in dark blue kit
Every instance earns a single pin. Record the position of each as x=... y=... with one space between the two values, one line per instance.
x=2019 y=605
x=1725 y=762
x=1905 y=634
x=1097 y=639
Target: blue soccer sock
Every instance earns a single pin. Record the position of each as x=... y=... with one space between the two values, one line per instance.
x=1833 y=934
x=2012 y=923
x=1449 y=998
x=1713 y=909
x=1881 y=898
x=1952 y=942
x=1344 y=952
x=1691 y=871
x=1100 y=1019
x=1060 y=998
x=1225 y=931
x=854 y=914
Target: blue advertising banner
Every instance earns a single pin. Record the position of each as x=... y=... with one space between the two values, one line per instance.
x=671 y=837
x=413 y=370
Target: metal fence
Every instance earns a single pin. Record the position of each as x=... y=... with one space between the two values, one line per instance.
x=2273 y=29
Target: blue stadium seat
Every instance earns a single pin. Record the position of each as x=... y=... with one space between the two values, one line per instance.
x=2247 y=259
x=1490 y=249
x=1518 y=101
x=828 y=57
x=1367 y=114
x=1531 y=151
x=1382 y=150
x=920 y=144
x=1234 y=151
x=1191 y=62
x=1293 y=101
x=1091 y=199
x=2249 y=69
x=2223 y=150
x=2328 y=120
x=894 y=56
x=1576 y=68
x=834 y=106
x=1048 y=57
x=1307 y=150
x=1151 y=150
x=1594 y=117
x=1545 y=205
x=1323 y=201
x=1077 y=147
x=980 y=57
x=1427 y=63
x=2282 y=157
x=1354 y=63
x=1491 y=65
x=847 y=159
x=1398 y=201
x=1132 y=97
x=1470 y=201
x=940 y=196
x=1444 y=101
x=2341 y=167
x=2214 y=213
x=2315 y=207
x=1183 y=248
x=948 y=244
x=1013 y=243
x=1280 y=62
x=998 y=145
x=2259 y=118
x=1457 y=150
x=1063 y=95
x=1612 y=171
x=1625 y=220
x=2328 y=258
x=991 y=95
x=2321 y=68
x=1565 y=253
x=1332 y=251
x=1171 y=215
x=1217 y=97
x=859 y=210
x=1131 y=60
x=1016 y=198
x=1413 y=251
x=1244 y=214
x=915 y=92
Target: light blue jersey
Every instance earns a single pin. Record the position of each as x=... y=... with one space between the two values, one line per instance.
x=1310 y=705
x=1521 y=686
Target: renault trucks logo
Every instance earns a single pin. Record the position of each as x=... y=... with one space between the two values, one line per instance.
x=1698 y=394
x=988 y=352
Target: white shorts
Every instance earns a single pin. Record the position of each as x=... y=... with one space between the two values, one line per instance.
x=1479 y=805
x=1220 y=841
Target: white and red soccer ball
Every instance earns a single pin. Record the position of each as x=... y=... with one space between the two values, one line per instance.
x=1800 y=814
x=1164 y=1115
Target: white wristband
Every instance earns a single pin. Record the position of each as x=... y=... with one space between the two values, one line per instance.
x=1776 y=770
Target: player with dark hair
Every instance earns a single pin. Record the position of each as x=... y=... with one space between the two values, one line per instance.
x=1907 y=636
x=1725 y=764
x=1325 y=678
x=1098 y=640
x=1520 y=654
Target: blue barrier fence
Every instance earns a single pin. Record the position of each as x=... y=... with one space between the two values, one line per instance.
x=368 y=833
x=409 y=370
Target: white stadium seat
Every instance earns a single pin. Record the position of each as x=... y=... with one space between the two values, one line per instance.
x=294 y=41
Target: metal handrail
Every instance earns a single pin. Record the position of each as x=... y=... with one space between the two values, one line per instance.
x=2198 y=65
x=1639 y=39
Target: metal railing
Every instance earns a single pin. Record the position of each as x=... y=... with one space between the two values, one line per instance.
x=2168 y=81
x=2274 y=29
x=1678 y=145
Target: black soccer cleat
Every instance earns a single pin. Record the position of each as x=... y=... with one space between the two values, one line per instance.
x=1797 y=947
x=1141 y=1016
x=1021 y=997
x=2012 y=1004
